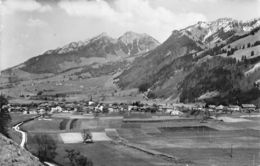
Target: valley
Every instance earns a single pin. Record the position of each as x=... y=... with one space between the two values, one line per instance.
x=192 y=100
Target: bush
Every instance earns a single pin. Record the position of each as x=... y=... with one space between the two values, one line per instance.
x=77 y=159
x=46 y=147
x=252 y=53
x=39 y=93
x=63 y=124
x=73 y=123
x=257 y=43
x=143 y=87
x=87 y=136
x=151 y=95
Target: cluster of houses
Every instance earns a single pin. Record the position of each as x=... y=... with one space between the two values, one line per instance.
x=95 y=107
x=247 y=108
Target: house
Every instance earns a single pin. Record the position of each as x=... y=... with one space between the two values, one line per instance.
x=91 y=103
x=34 y=112
x=220 y=108
x=176 y=112
x=211 y=108
x=234 y=108
x=248 y=107
x=25 y=112
x=130 y=107
x=56 y=109
x=42 y=111
x=172 y=111
x=99 y=108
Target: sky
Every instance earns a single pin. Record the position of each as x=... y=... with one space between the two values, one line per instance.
x=30 y=27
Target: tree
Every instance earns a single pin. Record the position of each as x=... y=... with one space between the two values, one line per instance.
x=5 y=117
x=248 y=45
x=143 y=87
x=46 y=147
x=77 y=159
x=87 y=136
x=39 y=93
x=252 y=53
x=71 y=155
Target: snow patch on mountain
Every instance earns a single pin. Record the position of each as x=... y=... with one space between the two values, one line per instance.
x=211 y=32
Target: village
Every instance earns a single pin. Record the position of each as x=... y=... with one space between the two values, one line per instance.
x=92 y=107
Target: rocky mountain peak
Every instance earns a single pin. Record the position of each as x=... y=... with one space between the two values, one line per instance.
x=129 y=37
x=218 y=30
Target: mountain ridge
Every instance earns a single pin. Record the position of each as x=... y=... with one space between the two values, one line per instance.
x=77 y=53
x=167 y=71
x=164 y=70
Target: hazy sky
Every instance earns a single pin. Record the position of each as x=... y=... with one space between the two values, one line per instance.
x=31 y=27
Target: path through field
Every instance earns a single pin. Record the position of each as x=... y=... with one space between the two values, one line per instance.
x=24 y=138
x=17 y=129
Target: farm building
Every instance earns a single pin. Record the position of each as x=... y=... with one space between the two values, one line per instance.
x=249 y=107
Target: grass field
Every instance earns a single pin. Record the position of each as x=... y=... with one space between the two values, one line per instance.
x=217 y=156
x=101 y=153
x=202 y=143
x=16 y=118
x=38 y=125
x=19 y=117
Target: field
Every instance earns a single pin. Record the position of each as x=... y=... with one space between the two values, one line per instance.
x=16 y=118
x=234 y=141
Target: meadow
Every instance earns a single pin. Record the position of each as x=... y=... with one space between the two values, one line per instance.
x=235 y=142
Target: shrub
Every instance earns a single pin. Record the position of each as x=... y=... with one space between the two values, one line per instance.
x=143 y=87
x=63 y=124
x=77 y=159
x=39 y=93
x=73 y=123
x=46 y=147
x=252 y=53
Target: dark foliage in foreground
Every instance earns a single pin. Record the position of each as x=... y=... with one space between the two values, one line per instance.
x=46 y=147
x=5 y=117
x=77 y=159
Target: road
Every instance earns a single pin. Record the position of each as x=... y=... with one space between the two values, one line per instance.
x=24 y=138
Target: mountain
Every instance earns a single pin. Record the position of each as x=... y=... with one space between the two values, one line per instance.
x=198 y=60
x=133 y=43
x=216 y=61
x=210 y=33
x=84 y=67
x=98 y=50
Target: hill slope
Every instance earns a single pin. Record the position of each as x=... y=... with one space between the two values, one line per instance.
x=13 y=154
x=197 y=60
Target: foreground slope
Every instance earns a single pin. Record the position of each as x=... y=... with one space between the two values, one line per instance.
x=13 y=154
